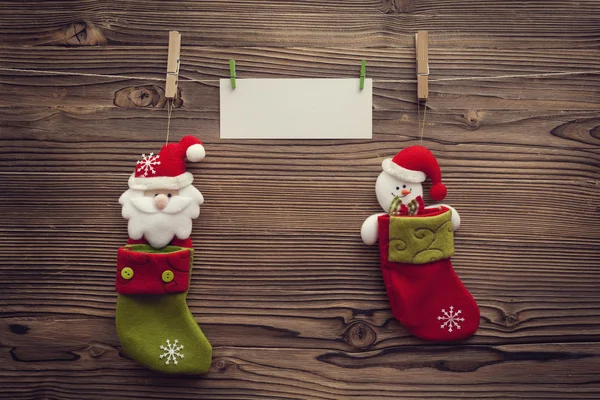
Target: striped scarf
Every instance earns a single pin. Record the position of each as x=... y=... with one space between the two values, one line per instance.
x=414 y=207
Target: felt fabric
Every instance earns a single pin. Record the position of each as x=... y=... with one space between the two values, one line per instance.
x=414 y=207
x=166 y=170
x=424 y=292
x=142 y=270
x=415 y=164
x=158 y=331
x=421 y=240
x=175 y=242
x=160 y=225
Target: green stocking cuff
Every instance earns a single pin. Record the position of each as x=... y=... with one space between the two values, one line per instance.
x=421 y=239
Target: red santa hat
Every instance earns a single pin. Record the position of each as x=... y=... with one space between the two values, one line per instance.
x=166 y=170
x=414 y=164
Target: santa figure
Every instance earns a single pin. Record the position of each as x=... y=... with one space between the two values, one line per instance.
x=161 y=201
x=154 y=324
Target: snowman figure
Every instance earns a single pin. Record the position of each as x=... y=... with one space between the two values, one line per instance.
x=416 y=244
x=399 y=189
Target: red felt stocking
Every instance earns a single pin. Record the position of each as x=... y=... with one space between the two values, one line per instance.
x=427 y=297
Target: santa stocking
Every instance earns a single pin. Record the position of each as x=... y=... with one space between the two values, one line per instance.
x=154 y=324
x=424 y=292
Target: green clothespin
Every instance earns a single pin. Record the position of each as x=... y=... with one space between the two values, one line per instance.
x=363 y=72
x=232 y=72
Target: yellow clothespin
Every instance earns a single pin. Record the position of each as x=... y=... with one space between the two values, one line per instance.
x=173 y=65
x=422 y=45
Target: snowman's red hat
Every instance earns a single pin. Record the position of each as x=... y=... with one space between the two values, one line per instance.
x=166 y=170
x=414 y=164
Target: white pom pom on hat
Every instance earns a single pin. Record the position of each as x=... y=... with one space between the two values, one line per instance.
x=195 y=153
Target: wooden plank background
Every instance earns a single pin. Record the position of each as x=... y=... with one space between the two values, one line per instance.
x=291 y=299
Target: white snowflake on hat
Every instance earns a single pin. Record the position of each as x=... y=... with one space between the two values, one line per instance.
x=400 y=185
x=167 y=169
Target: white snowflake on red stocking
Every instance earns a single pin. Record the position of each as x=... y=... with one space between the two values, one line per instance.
x=148 y=163
x=450 y=318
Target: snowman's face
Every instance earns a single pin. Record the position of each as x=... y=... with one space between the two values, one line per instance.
x=388 y=187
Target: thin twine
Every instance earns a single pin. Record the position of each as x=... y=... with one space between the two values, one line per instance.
x=170 y=106
x=462 y=78
x=423 y=126
x=419 y=113
x=169 y=111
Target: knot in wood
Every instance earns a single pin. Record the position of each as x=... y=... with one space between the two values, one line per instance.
x=148 y=96
x=144 y=97
x=398 y=6
x=360 y=335
x=472 y=119
x=97 y=350
x=511 y=319
x=81 y=33
x=223 y=365
x=19 y=329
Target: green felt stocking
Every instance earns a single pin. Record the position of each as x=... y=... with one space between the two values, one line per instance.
x=158 y=330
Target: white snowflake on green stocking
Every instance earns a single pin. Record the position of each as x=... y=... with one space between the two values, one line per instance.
x=171 y=351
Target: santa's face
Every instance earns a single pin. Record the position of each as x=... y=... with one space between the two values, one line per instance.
x=160 y=215
x=388 y=187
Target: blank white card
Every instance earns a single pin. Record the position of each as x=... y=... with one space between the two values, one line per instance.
x=296 y=109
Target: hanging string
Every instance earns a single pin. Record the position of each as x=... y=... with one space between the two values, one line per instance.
x=169 y=111
x=424 y=117
x=461 y=78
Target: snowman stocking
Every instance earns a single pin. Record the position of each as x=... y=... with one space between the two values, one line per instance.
x=154 y=324
x=415 y=244
x=425 y=293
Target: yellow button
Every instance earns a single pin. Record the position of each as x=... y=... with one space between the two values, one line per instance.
x=168 y=276
x=127 y=273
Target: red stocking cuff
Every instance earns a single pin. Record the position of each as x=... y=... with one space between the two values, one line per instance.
x=142 y=271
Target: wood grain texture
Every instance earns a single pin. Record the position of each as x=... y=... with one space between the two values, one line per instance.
x=291 y=299
x=555 y=24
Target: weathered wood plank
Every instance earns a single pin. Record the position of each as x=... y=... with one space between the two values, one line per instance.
x=557 y=24
x=276 y=211
x=189 y=7
x=393 y=373
x=564 y=145
x=82 y=127
x=76 y=94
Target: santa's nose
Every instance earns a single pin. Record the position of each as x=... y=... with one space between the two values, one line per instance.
x=405 y=192
x=161 y=201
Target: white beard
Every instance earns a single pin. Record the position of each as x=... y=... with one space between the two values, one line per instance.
x=159 y=227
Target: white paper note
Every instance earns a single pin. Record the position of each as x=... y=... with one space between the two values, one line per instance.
x=296 y=109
